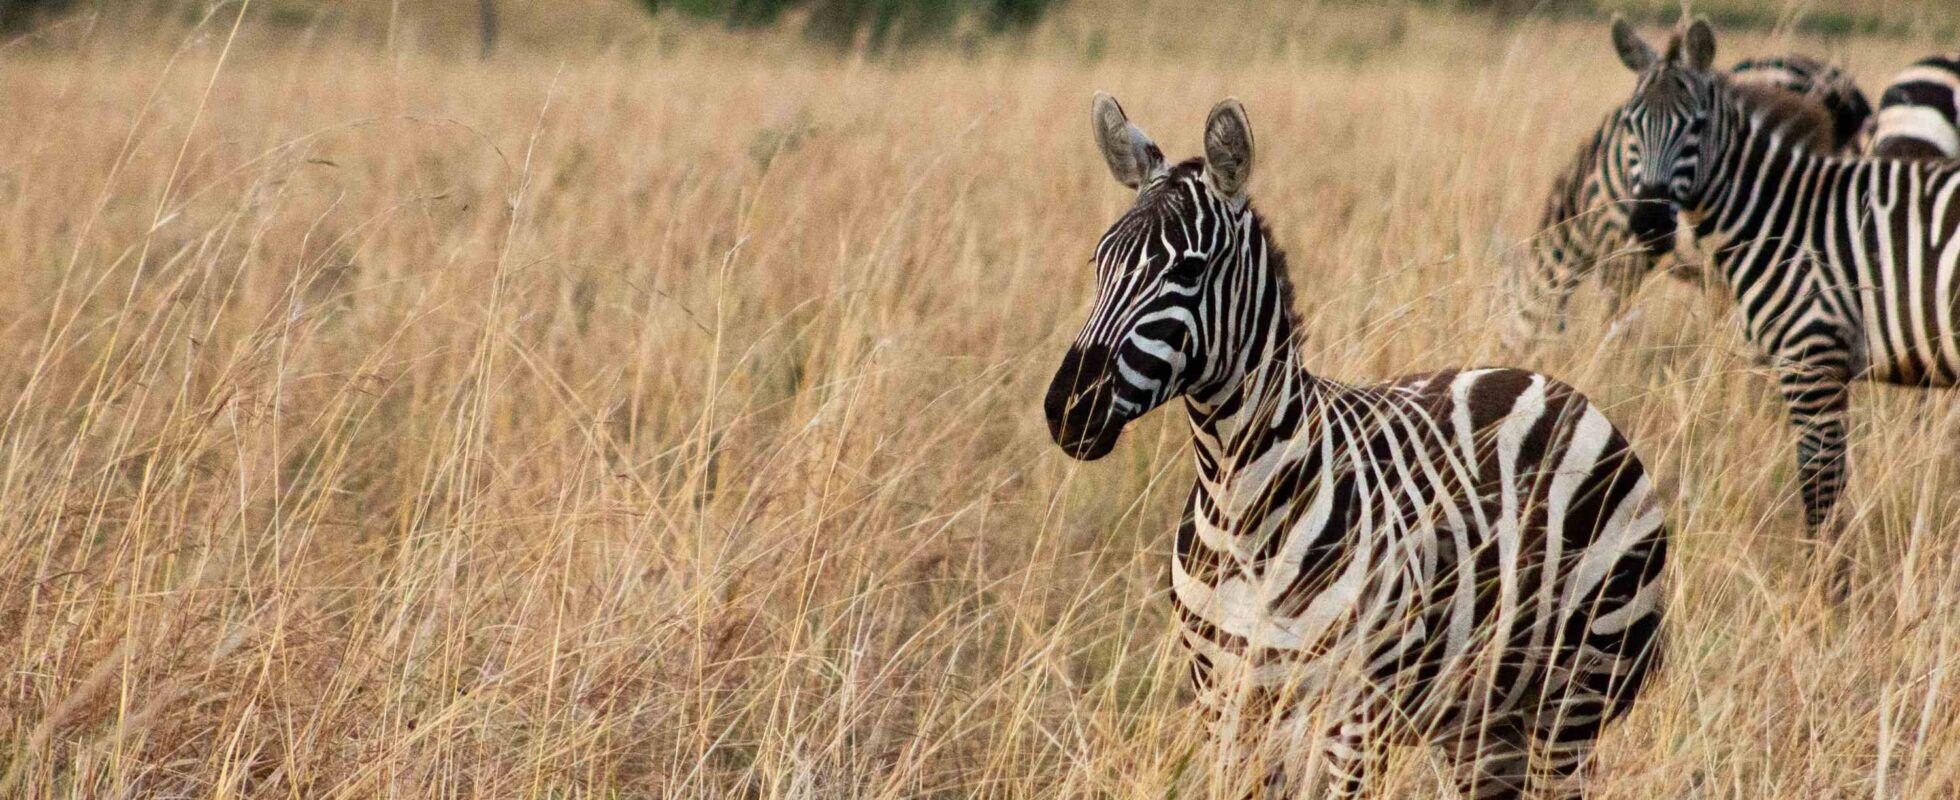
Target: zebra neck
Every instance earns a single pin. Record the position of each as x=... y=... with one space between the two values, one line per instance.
x=1270 y=403
x=1763 y=162
x=1259 y=390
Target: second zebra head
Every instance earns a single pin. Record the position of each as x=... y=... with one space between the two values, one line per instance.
x=1666 y=125
x=1174 y=315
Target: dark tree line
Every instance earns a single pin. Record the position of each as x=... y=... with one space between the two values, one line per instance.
x=17 y=15
x=880 y=21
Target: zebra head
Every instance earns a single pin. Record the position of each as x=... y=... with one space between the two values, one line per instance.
x=1159 y=270
x=1665 y=128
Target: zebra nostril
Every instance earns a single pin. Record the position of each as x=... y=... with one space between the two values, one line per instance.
x=1652 y=224
x=1078 y=403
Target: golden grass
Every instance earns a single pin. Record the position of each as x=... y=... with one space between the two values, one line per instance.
x=663 y=418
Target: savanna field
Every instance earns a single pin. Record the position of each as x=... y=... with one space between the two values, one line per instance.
x=654 y=410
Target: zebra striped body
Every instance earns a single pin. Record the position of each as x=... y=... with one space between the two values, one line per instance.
x=1585 y=227
x=1465 y=559
x=1842 y=267
x=1919 y=113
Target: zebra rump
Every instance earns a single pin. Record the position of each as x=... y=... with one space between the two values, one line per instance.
x=1918 y=115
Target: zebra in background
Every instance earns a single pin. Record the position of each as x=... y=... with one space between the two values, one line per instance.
x=1583 y=228
x=1822 y=82
x=1842 y=268
x=1919 y=113
x=1469 y=559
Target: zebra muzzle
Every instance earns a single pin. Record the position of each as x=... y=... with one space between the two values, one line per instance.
x=1652 y=223
x=1079 y=405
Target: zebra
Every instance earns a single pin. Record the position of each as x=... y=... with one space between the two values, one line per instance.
x=1834 y=90
x=1842 y=267
x=1582 y=229
x=1919 y=113
x=1470 y=559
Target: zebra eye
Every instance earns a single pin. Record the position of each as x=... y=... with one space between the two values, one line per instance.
x=1187 y=267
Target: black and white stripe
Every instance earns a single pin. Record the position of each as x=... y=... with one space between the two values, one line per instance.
x=1842 y=267
x=1469 y=559
x=1919 y=113
x=1584 y=229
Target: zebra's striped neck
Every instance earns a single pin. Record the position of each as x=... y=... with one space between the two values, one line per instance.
x=1773 y=223
x=1261 y=391
x=1764 y=151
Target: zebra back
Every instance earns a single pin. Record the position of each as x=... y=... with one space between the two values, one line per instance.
x=1828 y=86
x=1919 y=113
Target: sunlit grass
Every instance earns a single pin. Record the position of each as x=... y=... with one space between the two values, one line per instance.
x=663 y=419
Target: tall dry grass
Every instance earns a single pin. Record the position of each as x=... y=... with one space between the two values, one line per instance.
x=661 y=418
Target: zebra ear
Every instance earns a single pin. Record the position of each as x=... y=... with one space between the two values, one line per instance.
x=1228 y=148
x=1132 y=157
x=1700 y=44
x=1634 y=51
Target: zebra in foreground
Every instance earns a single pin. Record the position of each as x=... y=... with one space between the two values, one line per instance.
x=1469 y=559
x=1584 y=229
x=1842 y=268
x=1919 y=113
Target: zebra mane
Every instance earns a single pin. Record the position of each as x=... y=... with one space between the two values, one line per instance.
x=1276 y=263
x=1802 y=122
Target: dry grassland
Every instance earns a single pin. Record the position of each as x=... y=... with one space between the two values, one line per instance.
x=661 y=417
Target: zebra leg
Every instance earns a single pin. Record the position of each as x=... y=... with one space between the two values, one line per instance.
x=1492 y=764
x=1817 y=401
x=1545 y=299
x=1612 y=652
x=1562 y=738
x=1540 y=295
x=1567 y=765
x=1621 y=279
x=1352 y=753
x=1248 y=750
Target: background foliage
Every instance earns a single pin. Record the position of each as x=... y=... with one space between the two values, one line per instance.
x=879 y=21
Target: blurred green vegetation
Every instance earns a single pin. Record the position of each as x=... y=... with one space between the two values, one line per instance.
x=878 y=22
x=1820 y=17
x=16 y=15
